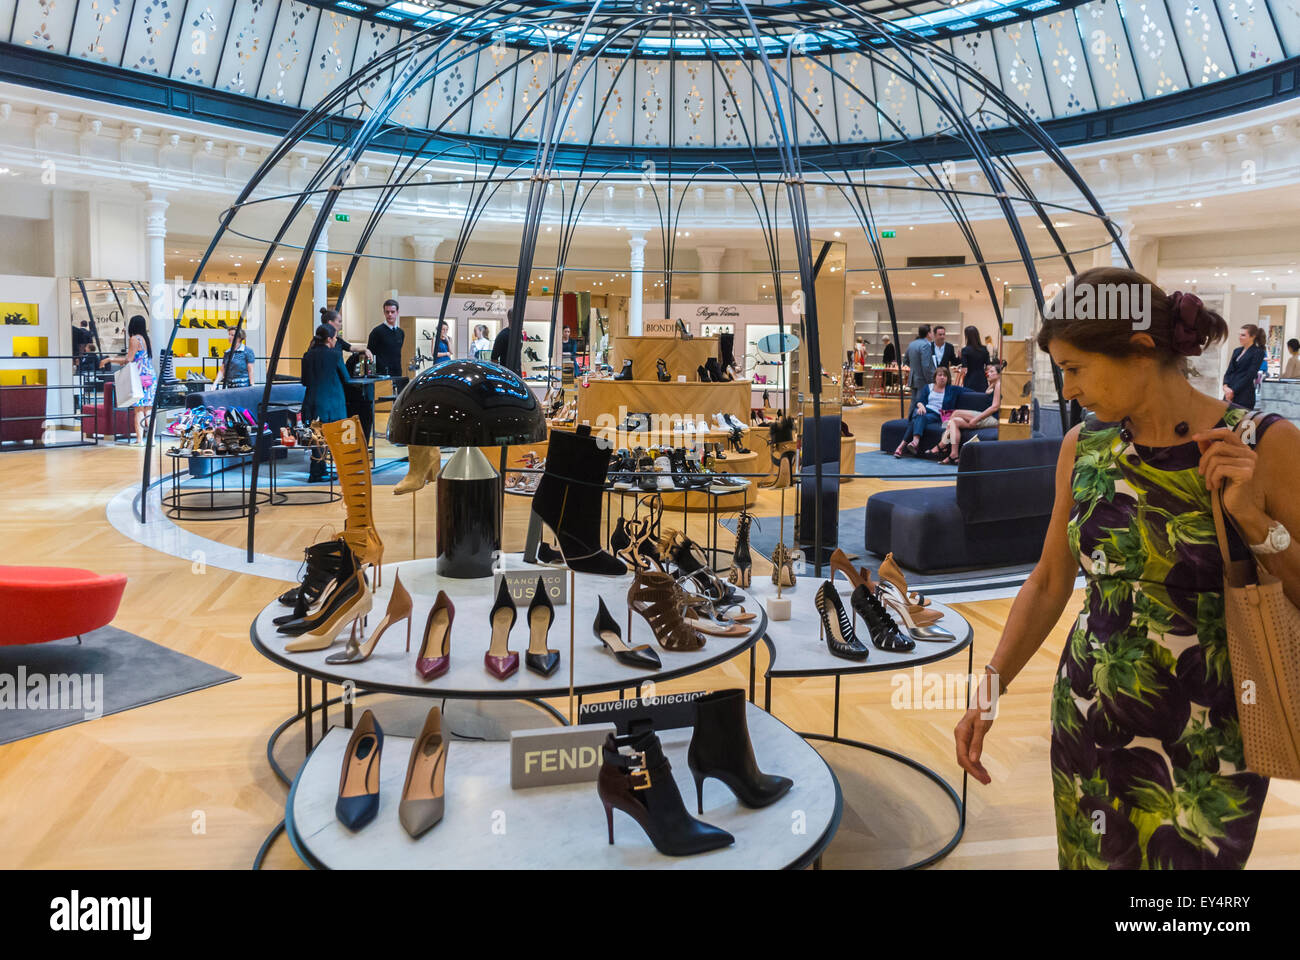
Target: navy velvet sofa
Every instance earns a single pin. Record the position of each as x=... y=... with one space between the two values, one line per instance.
x=891 y=431
x=995 y=515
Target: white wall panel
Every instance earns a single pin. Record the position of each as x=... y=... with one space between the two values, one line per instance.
x=43 y=25
x=1203 y=44
x=1066 y=73
x=1113 y=75
x=1250 y=32
x=612 y=102
x=693 y=104
x=289 y=53
x=652 y=102
x=733 y=95
x=1155 y=47
x=151 y=37
x=899 y=108
x=977 y=50
x=495 y=79
x=99 y=32
x=855 y=90
x=576 y=104
x=198 y=54
x=1022 y=73
x=331 y=56
x=246 y=48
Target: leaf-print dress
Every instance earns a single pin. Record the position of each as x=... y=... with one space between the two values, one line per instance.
x=1147 y=761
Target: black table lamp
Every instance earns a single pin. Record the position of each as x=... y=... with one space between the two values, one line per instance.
x=467 y=404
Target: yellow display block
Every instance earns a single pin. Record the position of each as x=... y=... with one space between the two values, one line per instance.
x=20 y=314
x=18 y=378
x=31 y=347
x=185 y=347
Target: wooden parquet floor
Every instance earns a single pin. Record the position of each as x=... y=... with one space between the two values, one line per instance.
x=184 y=783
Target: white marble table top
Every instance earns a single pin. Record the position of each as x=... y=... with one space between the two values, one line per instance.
x=487 y=825
x=798 y=648
x=392 y=669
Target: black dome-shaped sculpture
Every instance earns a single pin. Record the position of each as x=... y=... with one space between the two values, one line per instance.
x=467 y=403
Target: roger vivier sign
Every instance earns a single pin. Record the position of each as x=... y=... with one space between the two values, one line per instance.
x=555 y=755
x=522 y=584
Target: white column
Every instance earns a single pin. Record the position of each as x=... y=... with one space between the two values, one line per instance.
x=155 y=231
x=635 y=240
x=710 y=263
x=320 y=275
x=424 y=249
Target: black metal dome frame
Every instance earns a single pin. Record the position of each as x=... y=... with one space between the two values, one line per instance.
x=774 y=181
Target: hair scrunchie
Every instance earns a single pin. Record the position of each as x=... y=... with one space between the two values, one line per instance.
x=1184 y=311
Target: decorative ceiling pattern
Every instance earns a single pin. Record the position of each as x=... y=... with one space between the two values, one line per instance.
x=1063 y=62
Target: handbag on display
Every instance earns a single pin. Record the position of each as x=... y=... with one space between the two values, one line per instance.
x=127 y=388
x=1263 y=630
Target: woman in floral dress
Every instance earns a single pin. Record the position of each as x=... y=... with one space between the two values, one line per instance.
x=1148 y=770
x=140 y=352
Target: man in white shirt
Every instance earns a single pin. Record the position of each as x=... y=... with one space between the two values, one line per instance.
x=944 y=354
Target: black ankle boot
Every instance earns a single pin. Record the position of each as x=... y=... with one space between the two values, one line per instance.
x=727 y=355
x=713 y=370
x=641 y=785
x=626 y=372
x=721 y=748
x=569 y=500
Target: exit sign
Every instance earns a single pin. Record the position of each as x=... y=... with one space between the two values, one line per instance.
x=343 y=217
x=888 y=234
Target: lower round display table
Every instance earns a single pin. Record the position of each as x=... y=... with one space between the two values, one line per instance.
x=391 y=669
x=798 y=651
x=219 y=500
x=559 y=827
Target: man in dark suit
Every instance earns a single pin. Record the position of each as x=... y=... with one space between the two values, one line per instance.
x=501 y=345
x=385 y=342
x=920 y=358
x=944 y=353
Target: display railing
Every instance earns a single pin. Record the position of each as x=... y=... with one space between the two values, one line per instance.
x=25 y=417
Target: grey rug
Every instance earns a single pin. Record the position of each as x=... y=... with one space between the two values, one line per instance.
x=876 y=463
x=45 y=686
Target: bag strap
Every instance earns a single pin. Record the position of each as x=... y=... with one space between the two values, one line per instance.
x=1237 y=573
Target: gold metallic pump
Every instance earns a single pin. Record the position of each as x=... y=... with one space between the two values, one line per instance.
x=347 y=443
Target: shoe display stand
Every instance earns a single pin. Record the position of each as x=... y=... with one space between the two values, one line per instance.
x=587 y=665
x=679 y=356
x=303 y=496
x=219 y=500
x=1017 y=390
x=488 y=825
x=798 y=651
x=715 y=504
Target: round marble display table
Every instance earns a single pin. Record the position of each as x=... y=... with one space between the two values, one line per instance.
x=391 y=669
x=798 y=650
x=487 y=825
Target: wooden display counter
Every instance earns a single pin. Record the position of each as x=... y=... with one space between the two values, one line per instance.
x=1015 y=378
x=666 y=399
x=680 y=356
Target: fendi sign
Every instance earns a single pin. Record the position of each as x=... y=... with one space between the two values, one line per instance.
x=554 y=755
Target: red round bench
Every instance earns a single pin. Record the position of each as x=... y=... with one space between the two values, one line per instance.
x=49 y=603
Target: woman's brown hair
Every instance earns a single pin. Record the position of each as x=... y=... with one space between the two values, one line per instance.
x=1122 y=303
x=1257 y=338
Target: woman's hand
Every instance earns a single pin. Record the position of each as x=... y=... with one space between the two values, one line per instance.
x=1228 y=463
x=969 y=735
x=1227 y=393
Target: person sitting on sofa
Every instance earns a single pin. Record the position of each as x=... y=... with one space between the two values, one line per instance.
x=972 y=419
x=932 y=403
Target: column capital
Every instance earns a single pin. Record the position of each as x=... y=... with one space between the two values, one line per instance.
x=425 y=245
x=710 y=257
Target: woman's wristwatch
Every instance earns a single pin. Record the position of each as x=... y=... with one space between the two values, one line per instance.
x=1277 y=540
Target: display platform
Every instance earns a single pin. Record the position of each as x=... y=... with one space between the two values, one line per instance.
x=487 y=825
x=798 y=651
x=392 y=670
